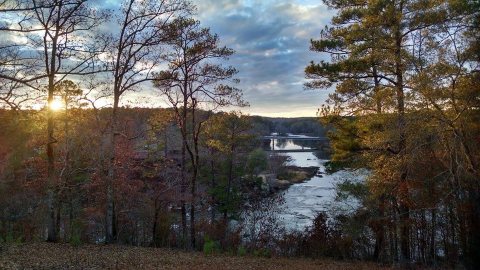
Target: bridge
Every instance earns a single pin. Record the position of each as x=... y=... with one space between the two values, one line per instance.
x=303 y=150
x=294 y=138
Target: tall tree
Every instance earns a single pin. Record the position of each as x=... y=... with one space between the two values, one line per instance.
x=377 y=49
x=194 y=79
x=229 y=134
x=134 y=56
x=52 y=33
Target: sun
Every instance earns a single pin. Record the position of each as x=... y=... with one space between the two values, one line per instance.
x=56 y=105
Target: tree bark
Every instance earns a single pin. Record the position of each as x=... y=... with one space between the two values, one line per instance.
x=229 y=184
x=404 y=209
x=110 y=235
x=213 y=186
x=51 y=228
x=183 y=185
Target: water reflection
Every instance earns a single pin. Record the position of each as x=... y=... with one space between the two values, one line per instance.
x=303 y=201
x=292 y=144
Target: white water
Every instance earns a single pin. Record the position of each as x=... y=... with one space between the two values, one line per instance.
x=304 y=200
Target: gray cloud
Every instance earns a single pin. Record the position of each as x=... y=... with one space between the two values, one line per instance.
x=271 y=39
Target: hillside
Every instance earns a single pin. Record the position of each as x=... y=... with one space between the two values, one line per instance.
x=62 y=256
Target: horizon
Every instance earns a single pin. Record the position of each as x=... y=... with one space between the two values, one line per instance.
x=59 y=109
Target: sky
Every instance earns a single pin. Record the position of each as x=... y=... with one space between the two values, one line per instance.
x=271 y=39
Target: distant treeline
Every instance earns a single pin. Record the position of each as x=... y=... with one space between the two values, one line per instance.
x=298 y=125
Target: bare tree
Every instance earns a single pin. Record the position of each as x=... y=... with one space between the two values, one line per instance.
x=54 y=41
x=134 y=56
x=193 y=79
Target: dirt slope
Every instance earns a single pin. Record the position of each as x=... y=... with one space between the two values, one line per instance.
x=63 y=256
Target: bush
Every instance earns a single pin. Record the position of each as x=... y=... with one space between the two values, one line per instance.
x=11 y=239
x=75 y=240
x=227 y=240
x=242 y=251
x=76 y=234
x=210 y=247
x=262 y=253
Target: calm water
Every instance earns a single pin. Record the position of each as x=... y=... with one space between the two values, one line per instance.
x=303 y=201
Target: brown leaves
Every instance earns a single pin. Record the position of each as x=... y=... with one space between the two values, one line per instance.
x=62 y=256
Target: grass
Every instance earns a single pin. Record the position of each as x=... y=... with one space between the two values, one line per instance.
x=65 y=256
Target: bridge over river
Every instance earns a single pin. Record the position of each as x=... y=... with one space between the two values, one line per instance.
x=296 y=138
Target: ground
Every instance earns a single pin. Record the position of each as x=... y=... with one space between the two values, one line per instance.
x=64 y=256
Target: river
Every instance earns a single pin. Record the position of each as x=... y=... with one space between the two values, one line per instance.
x=304 y=200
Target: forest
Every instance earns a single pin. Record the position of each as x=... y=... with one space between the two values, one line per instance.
x=393 y=152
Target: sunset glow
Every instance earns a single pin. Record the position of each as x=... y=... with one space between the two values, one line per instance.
x=56 y=105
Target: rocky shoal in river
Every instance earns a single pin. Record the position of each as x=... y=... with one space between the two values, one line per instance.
x=291 y=175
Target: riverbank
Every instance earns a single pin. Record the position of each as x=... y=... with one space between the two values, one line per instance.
x=64 y=256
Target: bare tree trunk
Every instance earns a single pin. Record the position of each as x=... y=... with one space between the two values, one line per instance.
x=51 y=230
x=213 y=185
x=192 y=209
x=400 y=96
x=395 y=229
x=195 y=157
x=433 y=252
x=58 y=220
x=70 y=221
x=110 y=235
x=155 y=222
x=183 y=185
x=380 y=230
x=229 y=185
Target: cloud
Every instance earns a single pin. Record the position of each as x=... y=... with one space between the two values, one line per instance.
x=271 y=40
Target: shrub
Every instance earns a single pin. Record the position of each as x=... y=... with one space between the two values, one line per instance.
x=11 y=239
x=210 y=246
x=75 y=240
x=76 y=233
x=263 y=252
x=242 y=251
